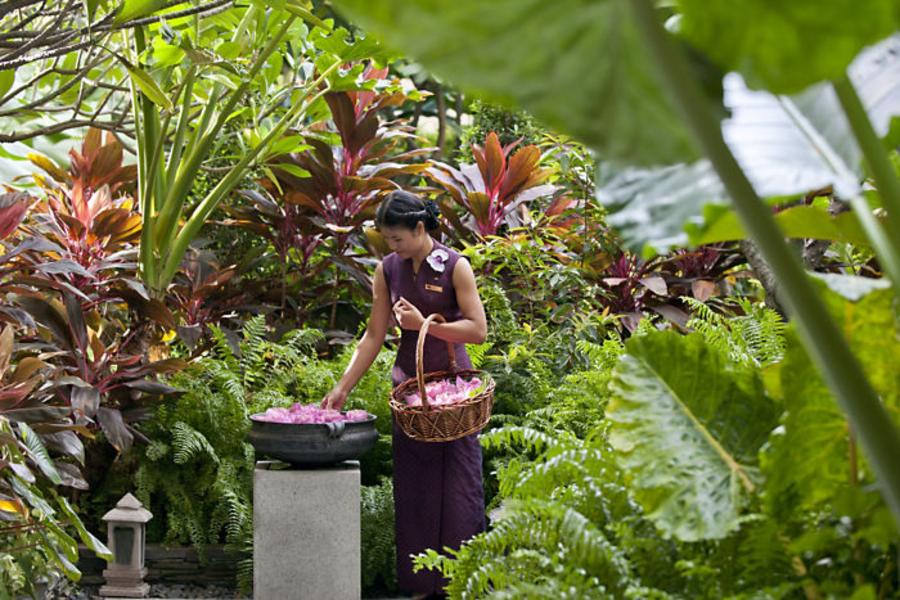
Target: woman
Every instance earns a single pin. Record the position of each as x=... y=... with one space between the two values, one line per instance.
x=438 y=493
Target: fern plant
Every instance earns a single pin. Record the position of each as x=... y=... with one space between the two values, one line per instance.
x=196 y=472
x=378 y=552
x=575 y=517
x=752 y=335
x=551 y=532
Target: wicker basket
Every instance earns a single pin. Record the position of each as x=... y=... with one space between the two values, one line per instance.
x=447 y=423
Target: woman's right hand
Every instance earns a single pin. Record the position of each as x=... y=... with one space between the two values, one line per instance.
x=334 y=399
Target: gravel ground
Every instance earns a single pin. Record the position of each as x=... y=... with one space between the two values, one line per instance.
x=91 y=592
x=66 y=590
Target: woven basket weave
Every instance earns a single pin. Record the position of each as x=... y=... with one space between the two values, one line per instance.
x=445 y=423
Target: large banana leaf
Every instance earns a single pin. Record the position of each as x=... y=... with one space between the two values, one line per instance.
x=688 y=426
x=578 y=66
x=785 y=145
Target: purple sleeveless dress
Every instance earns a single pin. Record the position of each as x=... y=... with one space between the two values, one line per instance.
x=438 y=489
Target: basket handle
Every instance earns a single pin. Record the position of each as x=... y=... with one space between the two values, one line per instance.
x=420 y=346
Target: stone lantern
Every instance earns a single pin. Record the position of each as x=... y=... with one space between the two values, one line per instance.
x=126 y=528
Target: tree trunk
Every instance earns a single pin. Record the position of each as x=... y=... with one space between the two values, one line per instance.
x=764 y=274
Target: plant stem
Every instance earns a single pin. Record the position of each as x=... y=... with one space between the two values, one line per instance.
x=231 y=179
x=876 y=157
x=178 y=141
x=148 y=271
x=885 y=248
x=820 y=335
x=202 y=140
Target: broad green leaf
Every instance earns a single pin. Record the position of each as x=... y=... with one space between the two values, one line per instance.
x=785 y=46
x=292 y=170
x=57 y=554
x=796 y=222
x=38 y=453
x=807 y=460
x=63 y=540
x=876 y=76
x=688 y=425
x=578 y=66
x=135 y=9
x=650 y=207
x=165 y=54
x=86 y=536
x=785 y=146
x=289 y=145
x=229 y=50
x=33 y=498
x=852 y=287
x=338 y=43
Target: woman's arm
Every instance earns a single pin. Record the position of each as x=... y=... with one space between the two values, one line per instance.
x=369 y=346
x=470 y=329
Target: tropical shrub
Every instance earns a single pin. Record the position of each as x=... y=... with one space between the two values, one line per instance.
x=493 y=188
x=540 y=278
x=674 y=492
x=70 y=280
x=195 y=473
x=322 y=193
x=41 y=451
x=509 y=125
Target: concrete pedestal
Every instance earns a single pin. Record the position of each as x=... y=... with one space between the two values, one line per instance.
x=125 y=583
x=306 y=532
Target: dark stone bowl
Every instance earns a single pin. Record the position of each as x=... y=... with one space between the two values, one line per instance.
x=313 y=444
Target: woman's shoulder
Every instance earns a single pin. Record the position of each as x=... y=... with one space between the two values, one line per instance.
x=388 y=260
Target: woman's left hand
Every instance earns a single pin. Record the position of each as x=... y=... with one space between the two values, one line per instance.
x=407 y=315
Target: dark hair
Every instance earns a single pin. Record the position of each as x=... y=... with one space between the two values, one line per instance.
x=403 y=209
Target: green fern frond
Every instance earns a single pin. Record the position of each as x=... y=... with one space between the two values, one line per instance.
x=755 y=337
x=519 y=437
x=156 y=450
x=478 y=353
x=189 y=443
x=533 y=530
x=303 y=340
x=222 y=350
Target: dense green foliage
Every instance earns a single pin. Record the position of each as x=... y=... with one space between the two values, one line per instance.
x=596 y=502
x=657 y=432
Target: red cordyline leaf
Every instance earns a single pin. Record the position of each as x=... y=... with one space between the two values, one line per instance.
x=492 y=188
x=96 y=166
x=346 y=181
x=13 y=207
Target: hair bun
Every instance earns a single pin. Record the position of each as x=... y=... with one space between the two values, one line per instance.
x=432 y=212
x=432 y=209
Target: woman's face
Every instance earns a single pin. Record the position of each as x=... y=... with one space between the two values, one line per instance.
x=405 y=242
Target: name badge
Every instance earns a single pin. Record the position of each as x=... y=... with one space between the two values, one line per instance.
x=433 y=288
